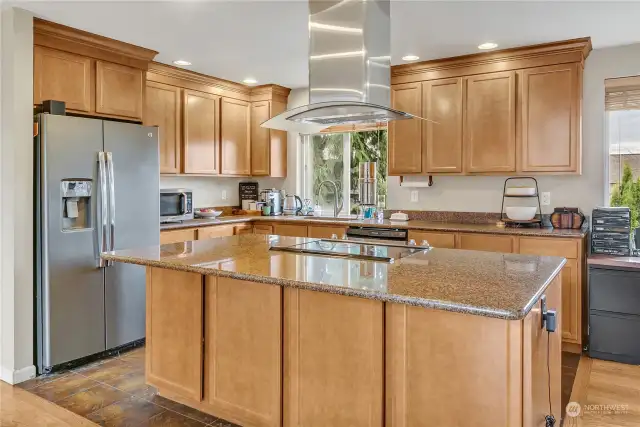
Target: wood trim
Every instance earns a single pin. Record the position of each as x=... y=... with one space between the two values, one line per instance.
x=575 y=50
x=57 y=36
x=270 y=93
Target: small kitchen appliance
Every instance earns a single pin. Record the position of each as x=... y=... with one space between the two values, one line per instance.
x=292 y=205
x=273 y=199
x=176 y=204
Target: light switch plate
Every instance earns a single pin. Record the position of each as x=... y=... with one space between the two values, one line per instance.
x=545 y=198
x=414 y=196
x=224 y=194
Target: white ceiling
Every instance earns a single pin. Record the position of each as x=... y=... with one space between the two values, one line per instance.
x=267 y=39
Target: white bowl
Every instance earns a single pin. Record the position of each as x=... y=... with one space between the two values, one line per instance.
x=520 y=191
x=212 y=214
x=521 y=213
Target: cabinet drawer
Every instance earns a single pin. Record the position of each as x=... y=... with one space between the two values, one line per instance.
x=615 y=337
x=216 y=231
x=326 y=232
x=262 y=229
x=242 y=229
x=551 y=247
x=614 y=291
x=488 y=243
x=176 y=236
x=290 y=230
x=437 y=240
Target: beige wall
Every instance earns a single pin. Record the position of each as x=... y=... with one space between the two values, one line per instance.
x=587 y=191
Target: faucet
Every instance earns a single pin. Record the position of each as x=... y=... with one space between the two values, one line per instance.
x=331 y=184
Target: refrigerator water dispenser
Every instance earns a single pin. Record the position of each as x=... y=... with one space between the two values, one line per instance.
x=76 y=204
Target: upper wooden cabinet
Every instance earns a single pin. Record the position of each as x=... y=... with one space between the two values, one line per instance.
x=62 y=76
x=550 y=118
x=163 y=110
x=268 y=146
x=119 y=90
x=201 y=132
x=236 y=137
x=490 y=122
x=93 y=75
x=405 y=136
x=442 y=132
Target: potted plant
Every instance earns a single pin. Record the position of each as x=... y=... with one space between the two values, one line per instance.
x=627 y=193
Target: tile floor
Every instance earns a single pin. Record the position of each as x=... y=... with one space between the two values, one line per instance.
x=112 y=393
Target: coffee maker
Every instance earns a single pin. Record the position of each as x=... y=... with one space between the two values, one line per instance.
x=272 y=198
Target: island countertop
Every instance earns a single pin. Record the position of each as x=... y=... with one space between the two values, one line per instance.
x=491 y=284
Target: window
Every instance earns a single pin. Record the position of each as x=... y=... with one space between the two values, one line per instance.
x=335 y=157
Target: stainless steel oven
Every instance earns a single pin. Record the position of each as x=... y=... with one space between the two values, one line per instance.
x=176 y=204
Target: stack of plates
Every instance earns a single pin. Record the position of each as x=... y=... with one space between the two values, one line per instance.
x=611 y=231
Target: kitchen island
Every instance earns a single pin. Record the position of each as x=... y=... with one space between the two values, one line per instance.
x=269 y=338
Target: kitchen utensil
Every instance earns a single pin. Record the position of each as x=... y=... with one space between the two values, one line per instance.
x=521 y=213
x=266 y=210
x=208 y=214
x=292 y=205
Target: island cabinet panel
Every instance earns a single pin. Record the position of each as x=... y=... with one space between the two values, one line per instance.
x=333 y=360
x=62 y=76
x=326 y=232
x=162 y=109
x=442 y=132
x=243 y=351
x=437 y=240
x=484 y=242
x=176 y=236
x=216 y=231
x=550 y=118
x=405 y=136
x=290 y=230
x=174 y=332
x=489 y=122
x=235 y=125
x=119 y=90
x=201 y=129
x=262 y=229
x=451 y=369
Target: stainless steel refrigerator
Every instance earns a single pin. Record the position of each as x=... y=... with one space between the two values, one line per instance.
x=97 y=189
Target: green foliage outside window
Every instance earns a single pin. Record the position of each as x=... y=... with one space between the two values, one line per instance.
x=627 y=193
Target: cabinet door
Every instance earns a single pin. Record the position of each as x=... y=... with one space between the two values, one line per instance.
x=260 y=139
x=278 y=155
x=405 y=136
x=163 y=110
x=262 y=229
x=442 y=103
x=176 y=236
x=215 y=231
x=333 y=360
x=437 y=240
x=550 y=118
x=174 y=332
x=243 y=229
x=489 y=122
x=119 y=90
x=243 y=351
x=290 y=230
x=487 y=243
x=325 y=232
x=235 y=126
x=200 y=132
x=571 y=303
x=61 y=76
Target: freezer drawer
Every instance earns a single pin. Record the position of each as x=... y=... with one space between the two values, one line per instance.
x=614 y=291
x=614 y=337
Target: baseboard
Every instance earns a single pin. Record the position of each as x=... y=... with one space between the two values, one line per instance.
x=15 y=377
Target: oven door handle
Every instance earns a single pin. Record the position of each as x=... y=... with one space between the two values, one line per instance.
x=184 y=203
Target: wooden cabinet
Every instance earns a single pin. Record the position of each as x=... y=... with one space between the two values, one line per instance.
x=162 y=109
x=268 y=146
x=489 y=122
x=119 y=90
x=325 y=232
x=216 y=231
x=405 y=136
x=62 y=76
x=571 y=303
x=290 y=230
x=174 y=332
x=442 y=132
x=243 y=351
x=437 y=240
x=176 y=236
x=235 y=128
x=485 y=242
x=333 y=359
x=262 y=229
x=201 y=130
x=243 y=229
x=550 y=118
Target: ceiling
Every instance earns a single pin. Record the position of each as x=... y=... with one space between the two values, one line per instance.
x=267 y=39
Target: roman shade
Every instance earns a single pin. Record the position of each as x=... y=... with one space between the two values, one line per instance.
x=622 y=93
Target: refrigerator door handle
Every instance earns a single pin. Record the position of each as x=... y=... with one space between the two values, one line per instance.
x=112 y=204
x=102 y=207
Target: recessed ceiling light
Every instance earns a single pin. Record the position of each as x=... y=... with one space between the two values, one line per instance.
x=487 y=46
x=410 y=58
x=181 y=62
x=249 y=81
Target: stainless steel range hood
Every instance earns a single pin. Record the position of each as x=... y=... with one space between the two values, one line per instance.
x=349 y=68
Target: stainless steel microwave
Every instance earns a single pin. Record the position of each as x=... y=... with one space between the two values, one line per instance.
x=176 y=204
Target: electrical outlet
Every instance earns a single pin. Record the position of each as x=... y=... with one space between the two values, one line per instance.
x=414 y=196
x=224 y=194
x=545 y=199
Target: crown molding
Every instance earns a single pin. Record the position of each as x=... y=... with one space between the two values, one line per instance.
x=199 y=79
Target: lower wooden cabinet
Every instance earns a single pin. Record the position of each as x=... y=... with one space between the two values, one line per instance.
x=243 y=229
x=216 y=231
x=333 y=359
x=436 y=240
x=262 y=229
x=290 y=230
x=176 y=236
x=326 y=232
x=486 y=242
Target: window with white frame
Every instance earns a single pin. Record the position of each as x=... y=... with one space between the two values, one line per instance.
x=335 y=157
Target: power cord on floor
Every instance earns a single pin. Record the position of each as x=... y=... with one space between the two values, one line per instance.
x=549 y=420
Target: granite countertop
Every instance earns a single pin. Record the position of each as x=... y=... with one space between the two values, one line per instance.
x=411 y=224
x=503 y=286
x=627 y=262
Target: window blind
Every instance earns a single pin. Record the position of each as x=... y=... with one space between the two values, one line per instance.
x=622 y=93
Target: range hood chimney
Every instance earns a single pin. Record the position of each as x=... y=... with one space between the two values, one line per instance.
x=349 y=68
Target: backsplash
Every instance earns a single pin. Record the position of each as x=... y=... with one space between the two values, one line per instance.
x=207 y=191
